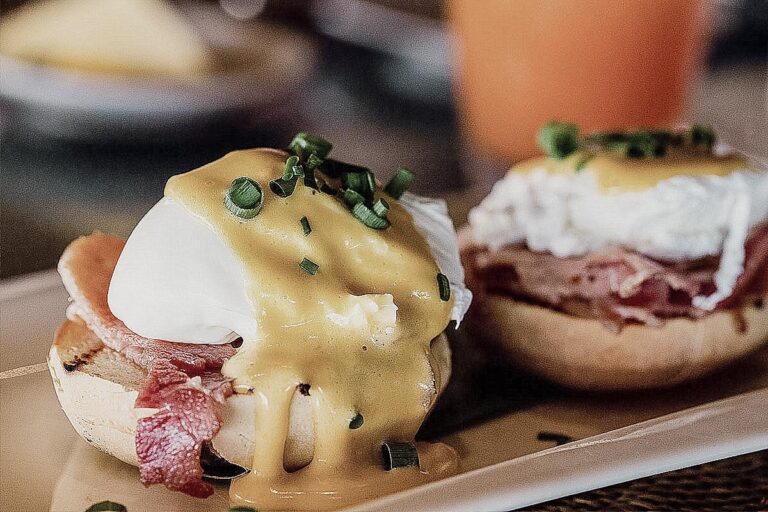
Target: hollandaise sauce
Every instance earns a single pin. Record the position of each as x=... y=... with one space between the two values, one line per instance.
x=615 y=172
x=352 y=331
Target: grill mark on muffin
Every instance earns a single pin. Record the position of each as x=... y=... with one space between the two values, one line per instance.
x=75 y=362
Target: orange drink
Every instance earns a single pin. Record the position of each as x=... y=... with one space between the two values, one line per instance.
x=600 y=63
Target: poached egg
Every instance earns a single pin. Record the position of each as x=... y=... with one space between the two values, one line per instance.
x=665 y=215
x=177 y=280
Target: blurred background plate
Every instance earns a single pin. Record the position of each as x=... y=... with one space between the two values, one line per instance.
x=259 y=66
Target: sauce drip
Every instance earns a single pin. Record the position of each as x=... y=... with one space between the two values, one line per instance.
x=616 y=172
x=358 y=333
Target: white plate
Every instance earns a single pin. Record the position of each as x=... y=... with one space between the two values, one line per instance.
x=44 y=464
x=267 y=63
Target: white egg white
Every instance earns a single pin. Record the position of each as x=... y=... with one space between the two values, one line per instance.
x=177 y=280
x=680 y=218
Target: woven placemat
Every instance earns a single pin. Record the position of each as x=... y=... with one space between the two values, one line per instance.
x=737 y=484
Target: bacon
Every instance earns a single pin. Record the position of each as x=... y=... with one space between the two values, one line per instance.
x=615 y=285
x=169 y=442
x=183 y=380
x=754 y=279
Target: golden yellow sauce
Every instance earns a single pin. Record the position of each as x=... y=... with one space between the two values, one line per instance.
x=616 y=172
x=382 y=371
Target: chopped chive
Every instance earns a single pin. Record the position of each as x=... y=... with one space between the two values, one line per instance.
x=313 y=161
x=288 y=169
x=368 y=217
x=399 y=455
x=305 y=226
x=282 y=187
x=353 y=181
x=634 y=151
x=381 y=208
x=244 y=198
x=444 y=286
x=356 y=422
x=702 y=135
x=309 y=266
x=559 y=439
x=106 y=506
x=304 y=144
x=243 y=509
x=351 y=198
x=676 y=139
x=603 y=138
x=370 y=185
x=558 y=140
x=643 y=143
x=399 y=183
x=361 y=182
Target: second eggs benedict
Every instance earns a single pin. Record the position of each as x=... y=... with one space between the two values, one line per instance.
x=623 y=259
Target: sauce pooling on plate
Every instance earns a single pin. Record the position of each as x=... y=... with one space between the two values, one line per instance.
x=352 y=331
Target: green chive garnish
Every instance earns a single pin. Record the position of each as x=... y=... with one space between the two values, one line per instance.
x=559 y=439
x=351 y=198
x=368 y=217
x=305 y=226
x=304 y=144
x=313 y=162
x=702 y=135
x=243 y=509
x=353 y=181
x=444 y=286
x=244 y=198
x=559 y=140
x=106 y=506
x=356 y=422
x=282 y=187
x=399 y=455
x=381 y=208
x=370 y=185
x=634 y=144
x=309 y=266
x=289 y=169
x=399 y=183
x=361 y=182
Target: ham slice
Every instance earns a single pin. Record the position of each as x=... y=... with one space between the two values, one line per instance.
x=183 y=382
x=615 y=285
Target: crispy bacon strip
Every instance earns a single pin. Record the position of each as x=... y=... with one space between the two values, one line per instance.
x=183 y=380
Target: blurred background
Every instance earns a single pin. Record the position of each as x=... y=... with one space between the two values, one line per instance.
x=102 y=100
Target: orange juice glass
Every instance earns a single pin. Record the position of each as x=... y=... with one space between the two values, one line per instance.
x=600 y=63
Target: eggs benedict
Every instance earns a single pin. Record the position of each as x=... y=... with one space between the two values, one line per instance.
x=279 y=311
x=623 y=260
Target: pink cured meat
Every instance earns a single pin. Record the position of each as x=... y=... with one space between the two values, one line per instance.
x=183 y=380
x=169 y=442
x=615 y=285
